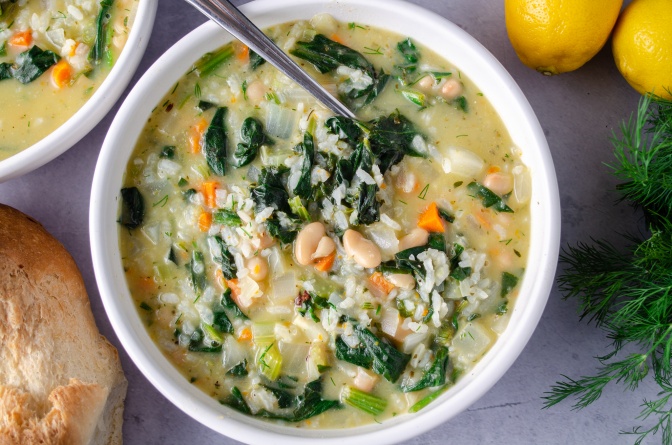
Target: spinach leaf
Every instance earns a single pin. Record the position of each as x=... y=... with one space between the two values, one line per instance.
x=270 y=192
x=347 y=129
x=197 y=343
x=227 y=218
x=132 y=208
x=240 y=370
x=286 y=234
x=457 y=272
x=373 y=353
x=285 y=399
x=368 y=207
x=237 y=402
x=408 y=50
x=32 y=63
x=391 y=138
x=252 y=134
x=99 y=46
x=411 y=57
x=231 y=305
x=357 y=355
x=214 y=142
x=255 y=60
x=362 y=157
x=311 y=403
x=488 y=197
x=205 y=105
x=5 y=71
x=225 y=260
x=434 y=376
x=308 y=303
x=509 y=281
x=403 y=259
x=168 y=152
x=387 y=360
x=197 y=271
x=327 y=55
x=222 y=322
x=307 y=148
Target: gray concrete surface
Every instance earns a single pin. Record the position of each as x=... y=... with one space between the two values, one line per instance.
x=578 y=112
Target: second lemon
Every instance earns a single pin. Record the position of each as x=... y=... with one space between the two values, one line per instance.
x=556 y=36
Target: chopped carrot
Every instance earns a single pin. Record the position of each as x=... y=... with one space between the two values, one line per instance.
x=204 y=221
x=378 y=280
x=22 y=38
x=209 y=190
x=196 y=133
x=147 y=284
x=430 y=220
x=336 y=38
x=243 y=53
x=61 y=74
x=219 y=276
x=233 y=99
x=245 y=335
x=482 y=220
x=325 y=263
x=493 y=169
x=235 y=289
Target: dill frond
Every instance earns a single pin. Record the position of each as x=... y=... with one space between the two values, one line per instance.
x=644 y=156
x=628 y=292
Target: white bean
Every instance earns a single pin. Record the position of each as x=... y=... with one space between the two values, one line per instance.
x=364 y=252
x=426 y=83
x=499 y=182
x=414 y=238
x=256 y=91
x=451 y=89
x=258 y=268
x=324 y=248
x=402 y=280
x=364 y=380
x=307 y=241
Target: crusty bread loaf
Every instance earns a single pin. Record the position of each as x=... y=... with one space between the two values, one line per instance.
x=60 y=380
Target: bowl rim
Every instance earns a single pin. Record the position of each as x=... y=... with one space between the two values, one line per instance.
x=94 y=110
x=536 y=287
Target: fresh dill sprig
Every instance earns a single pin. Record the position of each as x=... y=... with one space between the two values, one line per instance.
x=628 y=293
x=644 y=156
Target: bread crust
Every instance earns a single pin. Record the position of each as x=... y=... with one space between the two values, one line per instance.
x=61 y=381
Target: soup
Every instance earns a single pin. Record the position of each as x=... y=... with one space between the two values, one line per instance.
x=54 y=54
x=316 y=270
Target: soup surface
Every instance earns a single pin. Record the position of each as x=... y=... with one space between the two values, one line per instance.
x=314 y=269
x=53 y=56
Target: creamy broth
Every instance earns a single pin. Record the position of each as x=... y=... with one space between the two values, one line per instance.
x=68 y=28
x=379 y=284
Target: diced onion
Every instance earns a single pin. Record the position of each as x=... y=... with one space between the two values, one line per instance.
x=461 y=161
x=522 y=185
x=280 y=121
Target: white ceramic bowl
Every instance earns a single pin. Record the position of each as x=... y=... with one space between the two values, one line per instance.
x=93 y=111
x=406 y=19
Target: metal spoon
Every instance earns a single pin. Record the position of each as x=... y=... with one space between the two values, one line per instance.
x=230 y=18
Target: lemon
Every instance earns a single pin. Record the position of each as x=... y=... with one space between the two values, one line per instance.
x=642 y=46
x=556 y=36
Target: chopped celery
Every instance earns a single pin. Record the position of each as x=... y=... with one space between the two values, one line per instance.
x=364 y=401
x=263 y=334
x=428 y=399
x=298 y=208
x=213 y=334
x=209 y=63
x=269 y=361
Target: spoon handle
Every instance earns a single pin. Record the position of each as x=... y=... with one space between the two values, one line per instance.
x=230 y=18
